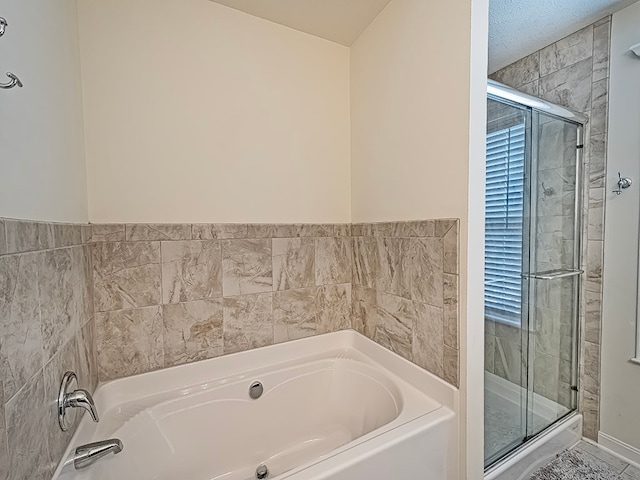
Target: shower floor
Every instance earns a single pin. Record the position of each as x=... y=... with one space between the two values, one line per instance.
x=504 y=426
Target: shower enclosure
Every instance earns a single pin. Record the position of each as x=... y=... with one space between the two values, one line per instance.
x=532 y=267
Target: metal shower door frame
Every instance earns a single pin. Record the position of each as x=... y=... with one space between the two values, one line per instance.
x=530 y=278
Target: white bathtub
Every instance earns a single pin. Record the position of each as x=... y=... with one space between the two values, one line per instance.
x=335 y=406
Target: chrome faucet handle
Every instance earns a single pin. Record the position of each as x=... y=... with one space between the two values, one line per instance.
x=71 y=397
x=82 y=399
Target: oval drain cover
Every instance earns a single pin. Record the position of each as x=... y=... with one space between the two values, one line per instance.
x=255 y=392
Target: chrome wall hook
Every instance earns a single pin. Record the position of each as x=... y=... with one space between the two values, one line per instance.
x=15 y=81
x=623 y=184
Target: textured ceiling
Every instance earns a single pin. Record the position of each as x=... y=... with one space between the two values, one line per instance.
x=341 y=21
x=520 y=27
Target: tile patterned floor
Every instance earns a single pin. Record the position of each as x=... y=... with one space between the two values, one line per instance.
x=611 y=463
x=626 y=471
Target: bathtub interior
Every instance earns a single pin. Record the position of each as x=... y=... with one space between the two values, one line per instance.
x=312 y=407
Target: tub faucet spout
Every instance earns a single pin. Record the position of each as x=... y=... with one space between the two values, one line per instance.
x=88 y=454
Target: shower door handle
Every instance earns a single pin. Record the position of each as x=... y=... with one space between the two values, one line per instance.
x=555 y=274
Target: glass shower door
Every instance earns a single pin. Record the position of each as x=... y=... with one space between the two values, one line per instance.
x=532 y=261
x=554 y=260
x=506 y=258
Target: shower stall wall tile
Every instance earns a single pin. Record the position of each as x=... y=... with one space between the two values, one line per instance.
x=571 y=49
x=523 y=71
x=570 y=76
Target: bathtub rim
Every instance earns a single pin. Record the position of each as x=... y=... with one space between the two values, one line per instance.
x=113 y=391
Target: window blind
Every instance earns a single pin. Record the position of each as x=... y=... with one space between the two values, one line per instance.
x=503 y=223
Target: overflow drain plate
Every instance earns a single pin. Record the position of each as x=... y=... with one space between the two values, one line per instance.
x=262 y=471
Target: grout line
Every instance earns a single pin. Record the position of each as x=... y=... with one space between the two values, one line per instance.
x=6 y=429
x=37 y=275
x=161 y=279
x=40 y=371
x=6 y=240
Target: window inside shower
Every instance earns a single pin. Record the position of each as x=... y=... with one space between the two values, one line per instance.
x=532 y=247
x=503 y=223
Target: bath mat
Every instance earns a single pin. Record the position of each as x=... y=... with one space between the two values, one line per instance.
x=576 y=465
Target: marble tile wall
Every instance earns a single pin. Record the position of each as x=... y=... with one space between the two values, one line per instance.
x=574 y=72
x=171 y=294
x=503 y=351
x=114 y=300
x=46 y=328
x=405 y=291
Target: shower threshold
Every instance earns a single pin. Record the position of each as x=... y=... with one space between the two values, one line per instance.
x=539 y=450
x=504 y=418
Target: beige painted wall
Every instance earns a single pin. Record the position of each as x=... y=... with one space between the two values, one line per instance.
x=411 y=85
x=196 y=112
x=271 y=125
x=410 y=111
x=620 y=407
x=42 y=167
